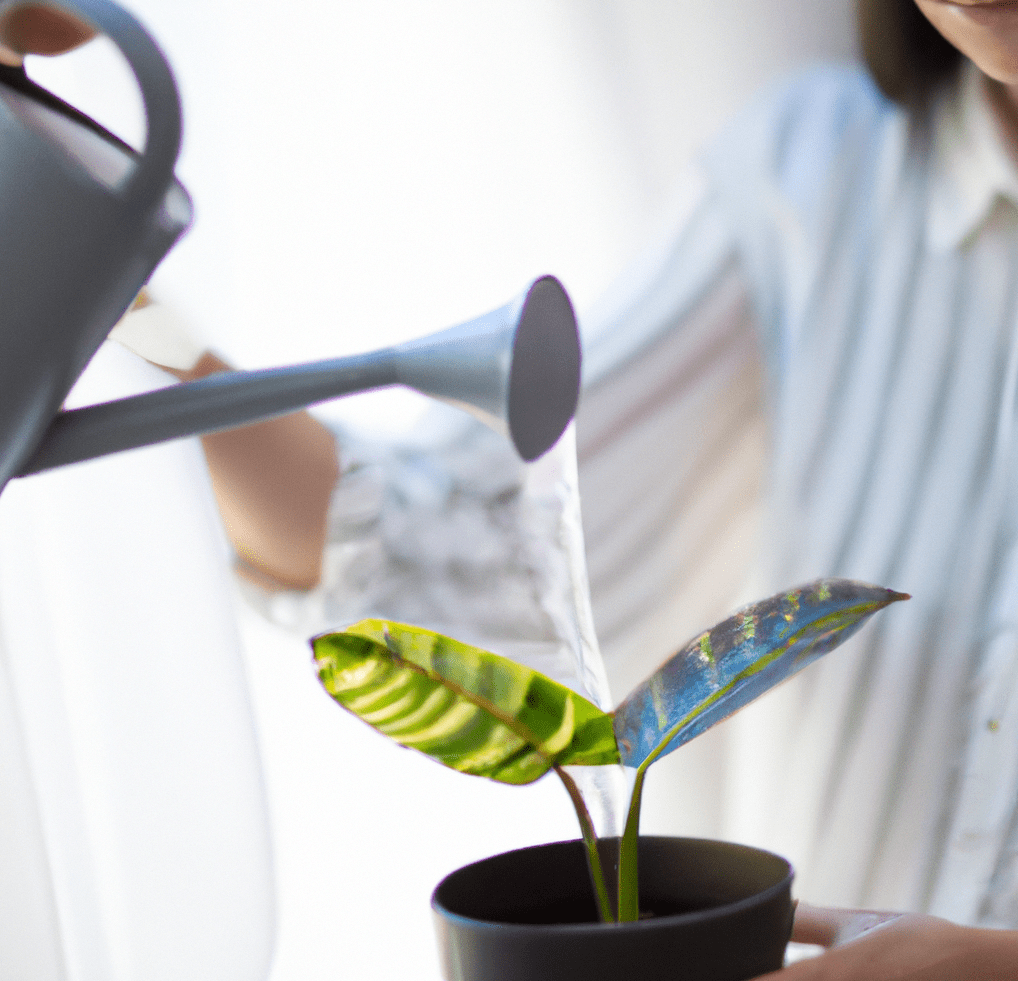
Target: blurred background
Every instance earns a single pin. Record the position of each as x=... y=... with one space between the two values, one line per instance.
x=365 y=173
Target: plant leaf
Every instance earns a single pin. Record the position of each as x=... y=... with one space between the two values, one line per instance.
x=467 y=708
x=733 y=663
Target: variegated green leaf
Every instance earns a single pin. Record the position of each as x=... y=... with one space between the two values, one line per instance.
x=468 y=708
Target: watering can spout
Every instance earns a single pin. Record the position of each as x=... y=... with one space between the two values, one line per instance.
x=517 y=367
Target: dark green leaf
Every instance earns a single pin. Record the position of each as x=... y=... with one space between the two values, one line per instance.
x=724 y=669
x=733 y=663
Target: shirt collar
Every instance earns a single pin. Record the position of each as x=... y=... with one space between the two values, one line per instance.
x=972 y=169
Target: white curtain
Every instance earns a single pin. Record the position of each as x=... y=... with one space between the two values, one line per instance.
x=134 y=840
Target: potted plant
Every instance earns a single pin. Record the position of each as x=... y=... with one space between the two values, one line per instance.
x=708 y=909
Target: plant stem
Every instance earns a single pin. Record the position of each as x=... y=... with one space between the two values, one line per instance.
x=629 y=882
x=604 y=907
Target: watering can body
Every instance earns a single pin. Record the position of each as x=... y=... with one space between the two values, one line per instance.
x=85 y=220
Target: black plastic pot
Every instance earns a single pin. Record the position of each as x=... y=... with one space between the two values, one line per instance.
x=721 y=912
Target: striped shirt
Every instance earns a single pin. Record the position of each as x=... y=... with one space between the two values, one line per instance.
x=828 y=327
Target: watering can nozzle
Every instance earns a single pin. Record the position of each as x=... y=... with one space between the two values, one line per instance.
x=517 y=368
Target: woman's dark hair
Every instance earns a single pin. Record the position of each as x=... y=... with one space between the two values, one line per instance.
x=904 y=52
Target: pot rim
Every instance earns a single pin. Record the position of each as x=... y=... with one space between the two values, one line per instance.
x=638 y=926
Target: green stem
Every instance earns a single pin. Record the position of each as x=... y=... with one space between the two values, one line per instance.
x=629 y=882
x=604 y=907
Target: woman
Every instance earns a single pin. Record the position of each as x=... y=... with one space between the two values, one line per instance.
x=870 y=238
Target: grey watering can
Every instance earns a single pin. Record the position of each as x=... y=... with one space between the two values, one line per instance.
x=84 y=220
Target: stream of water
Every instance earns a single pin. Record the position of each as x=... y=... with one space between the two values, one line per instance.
x=553 y=482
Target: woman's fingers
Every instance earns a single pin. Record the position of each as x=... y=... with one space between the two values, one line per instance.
x=830 y=927
x=37 y=29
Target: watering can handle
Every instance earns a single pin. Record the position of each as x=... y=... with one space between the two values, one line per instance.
x=153 y=174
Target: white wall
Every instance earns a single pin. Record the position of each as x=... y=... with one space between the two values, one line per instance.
x=666 y=75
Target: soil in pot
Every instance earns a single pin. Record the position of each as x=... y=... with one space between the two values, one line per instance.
x=717 y=912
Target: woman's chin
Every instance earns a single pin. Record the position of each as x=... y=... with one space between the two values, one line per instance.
x=986 y=33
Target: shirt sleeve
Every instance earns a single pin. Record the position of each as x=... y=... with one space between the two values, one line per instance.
x=671 y=439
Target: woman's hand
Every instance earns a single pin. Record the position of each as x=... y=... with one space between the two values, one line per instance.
x=34 y=28
x=869 y=946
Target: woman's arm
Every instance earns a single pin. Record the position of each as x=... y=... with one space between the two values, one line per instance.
x=671 y=442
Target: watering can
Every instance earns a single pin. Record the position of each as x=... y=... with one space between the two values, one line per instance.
x=85 y=220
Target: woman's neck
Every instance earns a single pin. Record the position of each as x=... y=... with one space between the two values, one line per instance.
x=1003 y=101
